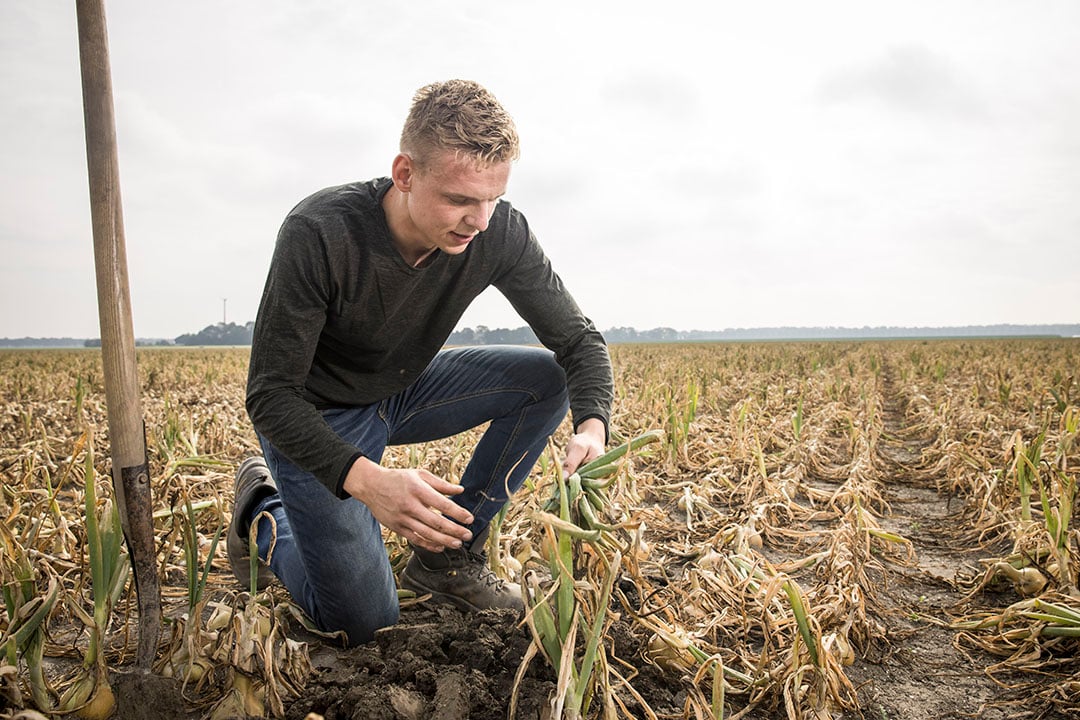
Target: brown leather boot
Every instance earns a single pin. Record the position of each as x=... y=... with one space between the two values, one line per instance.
x=461 y=577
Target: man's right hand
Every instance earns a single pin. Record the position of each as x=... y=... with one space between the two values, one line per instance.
x=413 y=503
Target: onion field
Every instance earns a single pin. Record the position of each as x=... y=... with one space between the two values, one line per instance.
x=785 y=530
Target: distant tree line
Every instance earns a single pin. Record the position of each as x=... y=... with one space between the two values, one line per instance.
x=631 y=335
x=523 y=335
x=139 y=342
x=482 y=335
x=220 y=334
x=32 y=342
x=233 y=334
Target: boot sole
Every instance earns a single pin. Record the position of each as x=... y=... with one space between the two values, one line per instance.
x=408 y=583
x=236 y=546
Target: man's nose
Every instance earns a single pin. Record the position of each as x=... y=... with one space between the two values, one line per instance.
x=480 y=215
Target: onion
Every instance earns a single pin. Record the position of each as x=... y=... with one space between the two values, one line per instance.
x=1028 y=580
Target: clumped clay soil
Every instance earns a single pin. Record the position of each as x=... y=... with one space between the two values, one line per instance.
x=436 y=663
x=442 y=664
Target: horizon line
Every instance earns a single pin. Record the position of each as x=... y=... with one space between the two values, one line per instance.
x=623 y=328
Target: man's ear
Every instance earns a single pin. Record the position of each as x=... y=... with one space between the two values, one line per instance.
x=402 y=172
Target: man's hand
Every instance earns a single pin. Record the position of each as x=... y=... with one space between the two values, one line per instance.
x=412 y=503
x=585 y=445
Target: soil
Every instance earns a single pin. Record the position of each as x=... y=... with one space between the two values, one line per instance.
x=440 y=663
x=145 y=695
x=436 y=663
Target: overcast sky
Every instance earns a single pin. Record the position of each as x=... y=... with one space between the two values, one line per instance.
x=698 y=165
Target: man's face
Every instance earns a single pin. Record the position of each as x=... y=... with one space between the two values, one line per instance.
x=450 y=199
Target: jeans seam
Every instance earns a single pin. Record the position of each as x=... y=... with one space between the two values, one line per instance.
x=381 y=413
x=484 y=495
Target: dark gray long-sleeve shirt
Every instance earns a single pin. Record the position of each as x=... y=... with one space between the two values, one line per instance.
x=345 y=321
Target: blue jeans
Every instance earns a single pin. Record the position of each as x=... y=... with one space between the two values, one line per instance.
x=329 y=552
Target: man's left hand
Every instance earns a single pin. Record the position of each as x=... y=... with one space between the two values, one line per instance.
x=585 y=445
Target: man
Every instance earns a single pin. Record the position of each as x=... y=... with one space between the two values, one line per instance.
x=366 y=283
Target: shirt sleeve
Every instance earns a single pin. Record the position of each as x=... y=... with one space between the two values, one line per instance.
x=291 y=316
x=538 y=295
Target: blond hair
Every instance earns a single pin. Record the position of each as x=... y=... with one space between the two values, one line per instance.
x=461 y=116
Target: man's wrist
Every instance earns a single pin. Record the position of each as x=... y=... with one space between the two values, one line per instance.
x=593 y=426
x=359 y=475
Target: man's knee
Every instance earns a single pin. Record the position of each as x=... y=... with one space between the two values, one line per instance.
x=547 y=376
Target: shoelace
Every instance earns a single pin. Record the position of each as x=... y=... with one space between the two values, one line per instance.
x=477 y=567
